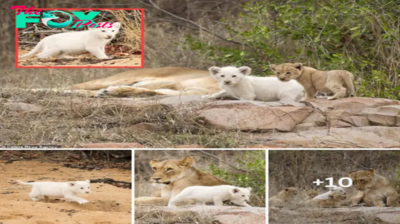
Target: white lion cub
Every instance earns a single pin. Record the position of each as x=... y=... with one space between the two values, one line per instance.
x=216 y=194
x=93 y=40
x=236 y=83
x=59 y=189
x=332 y=191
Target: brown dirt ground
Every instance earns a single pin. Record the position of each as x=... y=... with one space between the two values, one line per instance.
x=85 y=59
x=107 y=204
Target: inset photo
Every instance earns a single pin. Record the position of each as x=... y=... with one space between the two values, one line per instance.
x=65 y=186
x=200 y=186
x=334 y=186
x=79 y=38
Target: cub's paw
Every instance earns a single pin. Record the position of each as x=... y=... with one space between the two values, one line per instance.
x=207 y=96
x=83 y=201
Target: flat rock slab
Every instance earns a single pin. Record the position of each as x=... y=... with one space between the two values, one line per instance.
x=247 y=116
x=224 y=214
x=354 y=137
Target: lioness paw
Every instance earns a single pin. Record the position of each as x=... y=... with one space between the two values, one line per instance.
x=83 y=202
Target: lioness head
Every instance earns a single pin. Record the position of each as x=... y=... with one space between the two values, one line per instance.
x=229 y=75
x=362 y=179
x=167 y=171
x=287 y=71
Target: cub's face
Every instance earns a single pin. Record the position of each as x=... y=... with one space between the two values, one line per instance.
x=106 y=33
x=241 y=195
x=362 y=179
x=168 y=171
x=80 y=187
x=229 y=76
x=287 y=71
x=290 y=192
x=337 y=197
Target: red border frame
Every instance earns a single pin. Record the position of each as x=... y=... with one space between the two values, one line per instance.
x=76 y=9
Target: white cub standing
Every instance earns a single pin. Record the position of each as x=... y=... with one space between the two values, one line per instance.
x=216 y=194
x=93 y=40
x=237 y=83
x=59 y=189
x=332 y=191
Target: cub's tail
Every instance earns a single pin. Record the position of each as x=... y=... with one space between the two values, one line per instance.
x=37 y=48
x=24 y=183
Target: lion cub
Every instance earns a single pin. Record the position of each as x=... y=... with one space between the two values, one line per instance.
x=237 y=83
x=216 y=194
x=338 y=82
x=283 y=197
x=332 y=201
x=373 y=189
x=93 y=40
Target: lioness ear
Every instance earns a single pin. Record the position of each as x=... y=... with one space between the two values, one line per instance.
x=249 y=188
x=153 y=162
x=187 y=161
x=245 y=70
x=272 y=67
x=71 y=184
x=88 y=181
x=116 y=25
x=214 y=70
x=235 y=190
x=298 y=66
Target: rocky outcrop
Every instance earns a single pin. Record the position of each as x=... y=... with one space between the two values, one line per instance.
x=218 y=214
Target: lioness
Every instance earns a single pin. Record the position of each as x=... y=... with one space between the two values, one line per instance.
x=338 y=82
x=172 y=176
x=373 y=189
x=155 y=81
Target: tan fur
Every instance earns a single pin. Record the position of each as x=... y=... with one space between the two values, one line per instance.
x=334 y=201
x=176 y=175
x=338 y=82
x=283 y=197
x=372 y=189
x=311 y=193
x=154 y=81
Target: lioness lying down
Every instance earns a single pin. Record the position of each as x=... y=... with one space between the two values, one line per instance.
x=172 y=176
x=153 y=81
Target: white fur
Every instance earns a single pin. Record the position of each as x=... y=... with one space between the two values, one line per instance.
x=59 y=189
x=331 y=191
x=236 y=83
x=93 y=40
x=216 y=194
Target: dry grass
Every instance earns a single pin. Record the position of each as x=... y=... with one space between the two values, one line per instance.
x=131 y=24
x=71 y=121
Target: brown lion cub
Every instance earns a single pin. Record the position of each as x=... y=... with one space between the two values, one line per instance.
x=373 y=189
x=283 y=197
x=338 y=82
